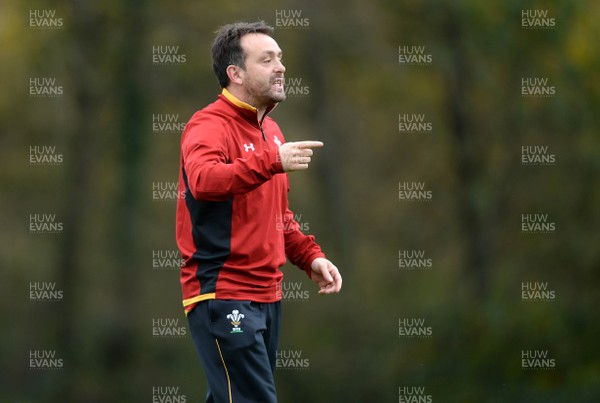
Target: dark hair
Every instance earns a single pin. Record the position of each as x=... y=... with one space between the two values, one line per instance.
x=226 y=49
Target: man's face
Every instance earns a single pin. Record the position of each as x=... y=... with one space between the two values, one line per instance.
x=263 y=74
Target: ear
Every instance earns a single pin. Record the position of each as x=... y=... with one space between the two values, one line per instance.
x=235 y=74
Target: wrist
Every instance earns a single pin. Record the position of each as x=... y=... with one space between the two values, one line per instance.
x=312 y=261
x=277 y=166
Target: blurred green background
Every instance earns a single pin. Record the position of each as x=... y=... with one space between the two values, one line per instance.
x=353 y=88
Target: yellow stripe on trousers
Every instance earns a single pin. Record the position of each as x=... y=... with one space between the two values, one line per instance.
x=226 y=371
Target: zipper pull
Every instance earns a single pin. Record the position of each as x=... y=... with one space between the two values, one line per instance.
x=263 y=133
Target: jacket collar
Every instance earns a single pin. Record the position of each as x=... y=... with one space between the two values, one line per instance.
x=245 y=109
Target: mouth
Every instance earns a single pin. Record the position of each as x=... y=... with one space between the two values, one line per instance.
x=278 y=84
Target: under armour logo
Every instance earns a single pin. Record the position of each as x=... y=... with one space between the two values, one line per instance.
x=276 y=140
x=248 y=147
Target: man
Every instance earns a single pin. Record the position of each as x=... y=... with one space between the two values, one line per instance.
x=234 y=227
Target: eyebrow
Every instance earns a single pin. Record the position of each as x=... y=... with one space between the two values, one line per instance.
x=271 y=53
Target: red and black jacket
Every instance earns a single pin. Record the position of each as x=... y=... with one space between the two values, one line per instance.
x=234 y=227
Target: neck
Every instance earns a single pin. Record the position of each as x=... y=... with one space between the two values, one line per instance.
x=260 y=112
x=243 y=96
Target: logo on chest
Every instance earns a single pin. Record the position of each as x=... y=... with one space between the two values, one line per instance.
x=249 y=147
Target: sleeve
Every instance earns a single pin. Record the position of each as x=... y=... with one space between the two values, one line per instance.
x=209 y=170
x=300 y=249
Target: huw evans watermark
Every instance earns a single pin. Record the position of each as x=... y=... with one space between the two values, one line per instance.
x=537 y=19
x=291 y=19
x=291 y=221
x=167 y=123
x=414 y=191
x=44 y=291
x=537 y=87
x=166 y=259
x=44 y=155
x=45 y=19
x=45 y=360
x=291 y=359
x=414 y=55
x=295 y=88
x=414 y=328
x=413 y=394
x=166 y=191
x=410 y=259
x=537 y=155
x=44 y=224
x=537 y=359
x=45 y=87
x=537 y=291
x=414 y=123
x=167 y=328
x=292 y=291
x=167 y=394
x=537 y=223
x=167 y=55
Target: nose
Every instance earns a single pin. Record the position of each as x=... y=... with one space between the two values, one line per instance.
x=279 y=67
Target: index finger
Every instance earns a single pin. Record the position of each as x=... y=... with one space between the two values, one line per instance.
x=309 y=144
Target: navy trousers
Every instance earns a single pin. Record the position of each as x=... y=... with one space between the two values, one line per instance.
x=237 y=342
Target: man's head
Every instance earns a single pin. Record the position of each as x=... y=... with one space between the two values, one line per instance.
x=247 y=60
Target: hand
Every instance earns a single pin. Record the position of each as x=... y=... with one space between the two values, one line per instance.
x=326 y=275
x=295 y=155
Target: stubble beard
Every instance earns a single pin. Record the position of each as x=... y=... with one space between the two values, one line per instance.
x=265 y=95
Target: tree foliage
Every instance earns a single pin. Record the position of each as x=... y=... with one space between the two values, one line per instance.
x=353 y=92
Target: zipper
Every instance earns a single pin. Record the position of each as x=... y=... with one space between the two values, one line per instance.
x=263 y=133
